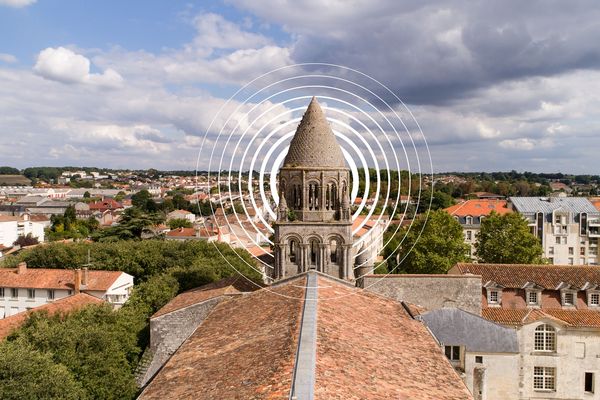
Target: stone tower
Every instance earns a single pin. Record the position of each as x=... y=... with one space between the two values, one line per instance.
x=314 y=223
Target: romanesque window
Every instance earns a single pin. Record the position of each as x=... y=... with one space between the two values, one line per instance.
x=545 y=338
x=292 y=251
x=314 y=252
x=333 y=246
x=544 y=378
x=313 y=196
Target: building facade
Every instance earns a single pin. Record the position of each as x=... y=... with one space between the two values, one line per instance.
x=314 y=225
x=568 y=227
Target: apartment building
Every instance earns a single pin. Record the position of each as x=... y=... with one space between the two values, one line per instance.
x=568 y=227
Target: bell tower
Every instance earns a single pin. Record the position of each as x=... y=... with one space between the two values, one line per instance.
x=314 y=223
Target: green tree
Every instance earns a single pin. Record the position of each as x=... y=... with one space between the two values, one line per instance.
x=26 y=373
x=506 y=239
x=431 y=246
x=86 y=195
x=180 y=223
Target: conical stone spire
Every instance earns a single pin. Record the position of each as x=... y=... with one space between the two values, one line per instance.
x=314 y=144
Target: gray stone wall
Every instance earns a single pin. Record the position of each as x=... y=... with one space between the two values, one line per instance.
x=430 y=291
x=169 y=331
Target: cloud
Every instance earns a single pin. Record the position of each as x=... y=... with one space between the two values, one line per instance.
x=16 y=3
x=64 y=65
x=8 y=58
x=215 y=32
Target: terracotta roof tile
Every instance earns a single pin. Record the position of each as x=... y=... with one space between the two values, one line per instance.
x=574 y=318
x=368 y=347
x=517 y=275
x=228 y=286
x=64 y=305
x=476 y=208
x=42 y=278
x=244 y=350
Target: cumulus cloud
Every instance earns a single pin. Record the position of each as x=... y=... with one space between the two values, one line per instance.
x=64 y=65
x=16 y=3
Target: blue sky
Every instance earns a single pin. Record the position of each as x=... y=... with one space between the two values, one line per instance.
x=496 y=85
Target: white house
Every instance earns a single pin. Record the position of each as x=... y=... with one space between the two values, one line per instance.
x=23 y=288
x=181 y=214
x=11 y=227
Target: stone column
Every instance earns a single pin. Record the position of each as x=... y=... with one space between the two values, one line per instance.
x=282 y=260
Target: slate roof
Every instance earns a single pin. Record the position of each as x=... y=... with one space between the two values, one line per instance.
x=43 y=278
x=453 y=326
x=234 y=285
x=549 y=204
x=517 y=275
x=367 y=346
x=314 y=144
x=64 y=305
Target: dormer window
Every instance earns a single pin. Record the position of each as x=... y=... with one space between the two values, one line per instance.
x=469 y=220
x=494 y=294
x=568 y=298
x=532 y=298
x=593 y=299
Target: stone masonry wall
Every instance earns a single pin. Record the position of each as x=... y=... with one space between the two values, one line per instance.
x=169 y=331
x=430 y=291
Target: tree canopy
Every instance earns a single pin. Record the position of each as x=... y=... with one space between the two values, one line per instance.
x=506 y=239
x=431 y=246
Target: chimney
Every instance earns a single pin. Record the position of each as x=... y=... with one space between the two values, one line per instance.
x=85 y=277
x=22 y=268
x=77 y=280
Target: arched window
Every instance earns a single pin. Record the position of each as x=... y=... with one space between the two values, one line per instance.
x=292 y=251
x=314 y=252
x=334 y=196
x=545 y=338
x=469 y=220
x=333 y=247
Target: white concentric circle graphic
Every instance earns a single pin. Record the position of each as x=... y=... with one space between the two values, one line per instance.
x=247 y=140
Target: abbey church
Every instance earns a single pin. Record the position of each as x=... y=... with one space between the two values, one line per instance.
x=314 y=224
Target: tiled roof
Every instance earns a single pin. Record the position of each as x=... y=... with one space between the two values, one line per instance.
x=574 y=318
x=367 y=346
x=228 y=286
x=42 y=278
x=476 y=208
x=314 y=144
x=243 y=350
x=517 y=275
x=64 y=305
x=182 y=232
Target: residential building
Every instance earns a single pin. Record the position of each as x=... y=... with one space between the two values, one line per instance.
x=23 y=288
x=308 y=336
x=181 y=214
x=568 y=227
x=485 y=354
x=11 y=227
x=469 y=215
x=555 y=311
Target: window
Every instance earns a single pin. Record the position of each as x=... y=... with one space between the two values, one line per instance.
x=31 y=293
x=532 y=298
x=543 y=378
x=50 y=294
x=568 y=299
x=14 y=293
x=589 y=382
x=594 y=299
x=557 y=240
x=545 y=338
x=452 y=352
x=469 y=220
x=563 y=240
x=1 y=292
x=479 y=359
x=570 y=251
x=469 y=235
x=570 y=262
x=582 y=251
x=493 y=296
x=551 y=250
